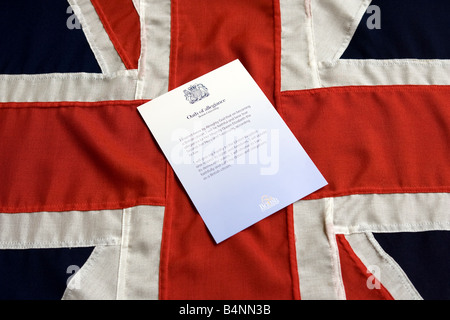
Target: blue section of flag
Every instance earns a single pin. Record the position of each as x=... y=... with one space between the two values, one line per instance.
x=38 y=274
x=42 y=37
x=424 y=257
x=394 y=29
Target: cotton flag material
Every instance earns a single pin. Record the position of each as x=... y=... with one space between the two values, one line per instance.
x=363 y=85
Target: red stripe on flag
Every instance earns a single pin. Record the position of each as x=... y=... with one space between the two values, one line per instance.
x=77 y=156
x=257 y=263
x=121 y=21
x=209 y=35
x=359 y=282
x=385 y=139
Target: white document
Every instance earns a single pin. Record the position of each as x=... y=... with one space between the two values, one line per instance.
x=234 y=155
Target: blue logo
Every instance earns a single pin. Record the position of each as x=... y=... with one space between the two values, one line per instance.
x=195 y=92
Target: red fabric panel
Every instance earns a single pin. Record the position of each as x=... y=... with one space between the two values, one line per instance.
x=77 y=156
x=259 y=262
x=254 y=264
x=208 y=35
x=121 y=21
x=384 y=139
x=355 y=275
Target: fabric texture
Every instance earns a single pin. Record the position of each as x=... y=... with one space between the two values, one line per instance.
x=121 y=22
x=411 y=249
x=79 y=169
x=45 y=39
x=112 y=164
x=20 y=279
x=373 y=140
x=374 y=38
x=356 y=276
x=253 y=255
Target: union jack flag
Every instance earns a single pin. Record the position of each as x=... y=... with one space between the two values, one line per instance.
x=90 y=208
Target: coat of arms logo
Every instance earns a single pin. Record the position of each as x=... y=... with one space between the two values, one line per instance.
x=195 y=92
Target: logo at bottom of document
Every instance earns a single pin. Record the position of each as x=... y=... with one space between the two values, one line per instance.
x=268 y=202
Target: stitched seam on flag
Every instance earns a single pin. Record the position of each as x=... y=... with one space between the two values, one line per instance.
x=71 y=104
x=338 y=282
x=326 y=194
x=395 y=227
x=155 y=55
x=82 y=273
x=89 y=36
x=70 y=293
x=351 y=28
x=137 y=5
x=167 y=224
x=390 y=62
x=132 y=74
x=143 y=54
x=312 y=55
x=174 y=36
x=345 y=245
x=123 y=256
x=290 y=213
x=277 y=55
x=152 y=201
x=53 y=244
x=384 y=88
x=293 y=253
x=400 y=274
x=120 y=50
x=165 y=244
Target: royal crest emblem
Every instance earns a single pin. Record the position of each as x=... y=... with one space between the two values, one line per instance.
x=195 y=92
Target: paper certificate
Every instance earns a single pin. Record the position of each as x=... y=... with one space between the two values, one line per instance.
x=234 y=155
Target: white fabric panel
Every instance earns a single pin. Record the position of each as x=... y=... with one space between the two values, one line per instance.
x=315 y=34
x=155 y=48
x=392 y=212
x=60 y=229
x=101 y=45
x=298 y=61
x=129 y=270
x=97 y=279
x=68 y=87
x=390 y=274
x=137 y=5
x=125 y=261
x=316 y=223
x=140 y=253
x=312 y=32
x=148 y=82
x=384 y=72
x=317 y=254
x=334 y=24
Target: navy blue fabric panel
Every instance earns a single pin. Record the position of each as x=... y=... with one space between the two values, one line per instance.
x=408 y=29
x=38 y=274
x=424 y=257
x=34 y=38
